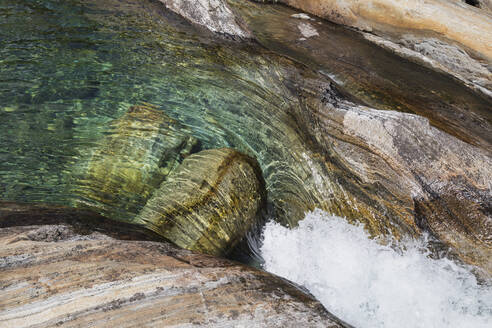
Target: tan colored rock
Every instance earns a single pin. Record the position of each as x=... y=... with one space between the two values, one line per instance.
x=452 y=20
x=449 y=36
x=427 y=178
x=209 y=203
x=96 y=274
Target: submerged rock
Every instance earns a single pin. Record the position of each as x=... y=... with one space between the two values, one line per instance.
x=141 y=149
x=214 y=15
x=98 y=274
x=209 y=203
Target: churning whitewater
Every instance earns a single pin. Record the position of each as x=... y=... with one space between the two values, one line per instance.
x=372 y=285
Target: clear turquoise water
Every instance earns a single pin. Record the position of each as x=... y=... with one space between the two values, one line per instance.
x=68 y=68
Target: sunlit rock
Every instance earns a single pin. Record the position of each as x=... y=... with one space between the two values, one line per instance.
x=214 y=15
x=59 y=268
x=396 y=165
x=208 y=203
x=439 y=33
x=142 y=148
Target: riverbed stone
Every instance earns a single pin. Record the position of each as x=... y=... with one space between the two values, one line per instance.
x=209 y=203
x=113 y=274
x=140 y=150
x=397 y=170
x=447 y=35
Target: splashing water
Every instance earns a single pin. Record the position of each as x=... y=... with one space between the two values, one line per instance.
x=371 y=285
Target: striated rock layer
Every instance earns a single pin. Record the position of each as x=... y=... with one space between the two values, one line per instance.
x=214 y=15
x=425 y=177
x=453 y=20
x=450 y=36
x=209 y=203
x=59 y=270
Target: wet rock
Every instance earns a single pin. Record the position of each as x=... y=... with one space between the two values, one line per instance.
x=442 y=57
x=141 y=149
x=209 y=203
x=439 y=33
x=215 y=15
x=104 y=278
x=453 y=20
x=403 y=172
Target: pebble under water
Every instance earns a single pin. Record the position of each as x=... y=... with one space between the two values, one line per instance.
x=371 y=285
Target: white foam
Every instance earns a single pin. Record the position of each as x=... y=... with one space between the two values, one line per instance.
x=371 y=285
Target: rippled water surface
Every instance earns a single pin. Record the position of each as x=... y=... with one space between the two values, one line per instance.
x=68 y=68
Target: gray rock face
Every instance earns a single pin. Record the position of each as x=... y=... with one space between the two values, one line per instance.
x=215 y=15
x=100 y=273
x=117 y=177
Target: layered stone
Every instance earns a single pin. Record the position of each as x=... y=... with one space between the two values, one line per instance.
x=60 y=269
x=209 y=203
x=396 y=165
x=449 y=36
x=214 y=15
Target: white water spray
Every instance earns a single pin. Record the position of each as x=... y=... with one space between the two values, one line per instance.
x=371 y=285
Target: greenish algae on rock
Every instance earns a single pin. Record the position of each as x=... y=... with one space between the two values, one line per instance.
x=144 y=146
x=209 y=203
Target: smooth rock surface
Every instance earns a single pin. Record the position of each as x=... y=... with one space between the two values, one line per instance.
x=442 y=57
x=92 y=276
x=441 y=31
x=117 y=177
x=453 y=20
x=380 y=78
x=427 y=178
x=215 y=15
x=209 y=203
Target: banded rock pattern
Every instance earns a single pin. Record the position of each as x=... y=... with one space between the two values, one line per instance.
x=142 y=148
x=88 y=273
x=209 y=203
x=447 y=35
x=214 y=15
x=405 y=173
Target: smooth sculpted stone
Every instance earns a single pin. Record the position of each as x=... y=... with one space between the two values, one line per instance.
x=140 y=150
x=448 y=35
x=453 y=20
x=397 y=165
x=96 y=274
x=214 y=15
x=209 y=203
